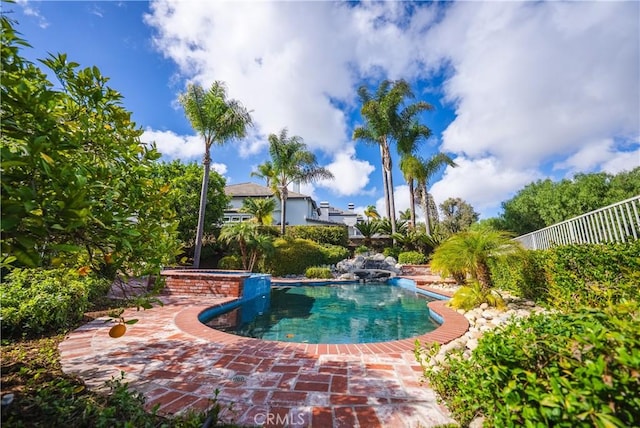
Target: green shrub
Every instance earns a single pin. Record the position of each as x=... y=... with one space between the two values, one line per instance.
x=292 y=256
x=523 y=276
x=230 y=262
x=566 y=277
x=592 y=275
x=392 y=252
x=35 y=300
x=411 y=258
x=318 y=272
x=334 y=253
x=361 y=249
x=563 y=370
x=333 y=235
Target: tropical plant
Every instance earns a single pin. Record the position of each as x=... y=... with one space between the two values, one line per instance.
x=77 y=187
x=291 y=163
x=319 y=272
x=368 y=229
x=423 y=173
x=473 y=295
x=251 y=243
x=371 y=213
x=264 y=171
x=469 y=253
x=217 y=120
x=260 y=208
x=386 y=120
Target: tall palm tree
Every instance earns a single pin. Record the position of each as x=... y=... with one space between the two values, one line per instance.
x=261 y=209
x=387 y=121
x=423 y=174
x=291 y=162
x=410 y=166
x=217 y=120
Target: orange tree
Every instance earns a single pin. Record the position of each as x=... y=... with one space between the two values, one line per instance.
x=77 y=187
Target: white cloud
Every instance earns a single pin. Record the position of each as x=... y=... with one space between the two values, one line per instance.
x=532 y=81
x=483 y=183
x=174 y=146
x=29 y=10
x=220 y=168
x=600 y=156
x=351 y=175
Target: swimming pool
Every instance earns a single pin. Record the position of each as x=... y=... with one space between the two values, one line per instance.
x=345 y=313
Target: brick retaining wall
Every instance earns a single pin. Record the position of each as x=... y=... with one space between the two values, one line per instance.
x=193 y=282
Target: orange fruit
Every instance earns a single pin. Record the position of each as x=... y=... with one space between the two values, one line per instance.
x=117 y=330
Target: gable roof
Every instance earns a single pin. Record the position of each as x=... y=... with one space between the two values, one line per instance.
x=256 y=191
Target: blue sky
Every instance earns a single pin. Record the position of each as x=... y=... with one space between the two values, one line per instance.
x=522 y=90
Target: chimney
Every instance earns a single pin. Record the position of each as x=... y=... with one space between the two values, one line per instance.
x=324 y=210
x=296 y=186
x=351 y=206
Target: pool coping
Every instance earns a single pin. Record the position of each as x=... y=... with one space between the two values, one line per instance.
x=452 y=326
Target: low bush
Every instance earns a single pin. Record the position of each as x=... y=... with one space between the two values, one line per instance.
x=391 y=252
x=361 y=249
x=563 y=370
x=333 y=235
x=334 y=253
x=230 y=262
x=411 y=258
x=318 y=272
x=34 y=301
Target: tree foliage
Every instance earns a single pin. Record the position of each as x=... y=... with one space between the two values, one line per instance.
x=458 y=215
x=545 y=202
x=77 y=186
x=182 y=183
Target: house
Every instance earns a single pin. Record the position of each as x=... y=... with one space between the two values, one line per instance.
x=301 y=209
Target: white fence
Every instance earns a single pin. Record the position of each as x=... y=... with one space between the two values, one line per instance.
x=619 y=222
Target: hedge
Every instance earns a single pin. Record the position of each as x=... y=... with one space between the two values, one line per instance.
x=594 y=275
x=333 y=235
x=292 y=256
x=34 y=301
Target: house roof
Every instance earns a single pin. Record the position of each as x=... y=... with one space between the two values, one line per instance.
x=256 y=191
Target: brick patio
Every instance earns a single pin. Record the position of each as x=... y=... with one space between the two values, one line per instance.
x=178 y=364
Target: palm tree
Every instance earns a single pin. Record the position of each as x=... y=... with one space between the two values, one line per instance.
x=261 y=209
x=423 y=174
x=291 y=162
x=469 y=253
x=368 y=229
x=264 y=171
x=371 y=212
x=385 y=123
x=410 y=167
x=251 y=243
x=218 y=120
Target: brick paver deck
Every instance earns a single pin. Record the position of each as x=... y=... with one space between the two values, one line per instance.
x=178 y=364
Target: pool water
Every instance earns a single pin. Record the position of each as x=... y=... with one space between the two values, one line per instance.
x=346 y=313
